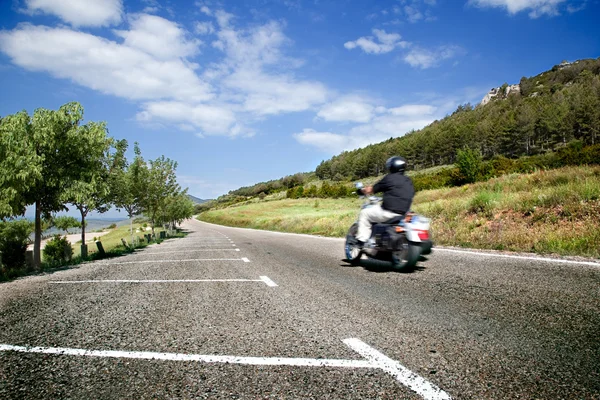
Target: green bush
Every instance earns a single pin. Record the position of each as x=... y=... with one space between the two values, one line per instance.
x=502 y=165
x=469 y=163
x=444 y=178
x=112 y=226
x=483 y=202
x=14 y=237
x=58 y=250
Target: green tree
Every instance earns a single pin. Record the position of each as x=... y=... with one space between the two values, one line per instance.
x=468 y=162
x=178 y=208
x=160 y=183
x=89 y=189
x=14 y=238
x=64 y=223
x=41 y=157
x=127 y=184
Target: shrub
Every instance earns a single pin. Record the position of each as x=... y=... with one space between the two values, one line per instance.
x=483 y=202
x=14 y=237
x=469 y=162
x=58 y=250
x=502 y=165
x=444 y=178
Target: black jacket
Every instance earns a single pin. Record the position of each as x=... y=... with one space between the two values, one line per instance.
x=398 y=192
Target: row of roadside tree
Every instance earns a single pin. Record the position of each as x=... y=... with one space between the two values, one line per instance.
x=51 y=160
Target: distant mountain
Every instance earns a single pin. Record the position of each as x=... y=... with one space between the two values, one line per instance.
x=196 y=200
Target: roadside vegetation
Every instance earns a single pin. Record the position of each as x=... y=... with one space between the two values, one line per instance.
x=52 y=161
x=547 y=212
x=60 y=254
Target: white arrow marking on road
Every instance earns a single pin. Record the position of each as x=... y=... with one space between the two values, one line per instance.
x=375 y=359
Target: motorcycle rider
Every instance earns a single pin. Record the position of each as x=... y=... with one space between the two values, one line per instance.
x=398 y=192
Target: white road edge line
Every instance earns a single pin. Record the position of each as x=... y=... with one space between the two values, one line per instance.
x=424 y=388
x=555 y=260
x=262 y=279
x=268 y=281
x=374 y=359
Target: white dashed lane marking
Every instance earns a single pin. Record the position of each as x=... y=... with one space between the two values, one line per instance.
x=175 y=261
x=263 y=279
x=189 y=251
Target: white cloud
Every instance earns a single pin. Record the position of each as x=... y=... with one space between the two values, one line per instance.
x=381 y=43
x=424 y=58
x=204 y=28
x=385 y=123
x=324 y=141
x=211 y=119
x=244 y=71
x=274 y=94
x=79 y=12
x=410 y=110
x=537 y=7
x=413 y=14
x=206 y=10
x=152 y=63
x=351 y=108
x=102 y=65
x=158 y=37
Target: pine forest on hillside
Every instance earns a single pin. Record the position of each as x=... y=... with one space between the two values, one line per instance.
x=551 y=110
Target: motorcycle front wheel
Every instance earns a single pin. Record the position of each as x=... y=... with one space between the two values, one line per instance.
x=353 y=252
x=406 y=258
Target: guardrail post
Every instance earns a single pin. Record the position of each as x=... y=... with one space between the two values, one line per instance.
x=100 y=248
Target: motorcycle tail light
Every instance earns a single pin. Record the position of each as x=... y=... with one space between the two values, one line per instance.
x=423 y=235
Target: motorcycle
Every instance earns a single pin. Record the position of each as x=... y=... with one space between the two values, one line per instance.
x=401 y=240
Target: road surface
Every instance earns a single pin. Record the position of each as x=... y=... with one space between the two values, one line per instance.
x=229 y=313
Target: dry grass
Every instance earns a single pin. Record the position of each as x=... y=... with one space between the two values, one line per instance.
x=547 y=212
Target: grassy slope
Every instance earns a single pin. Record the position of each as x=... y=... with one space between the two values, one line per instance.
x=555 y=211
x=112 y=239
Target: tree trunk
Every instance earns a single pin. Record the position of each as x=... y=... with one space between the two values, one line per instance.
x=37 y=246
x=131 y=228
x=82 y=226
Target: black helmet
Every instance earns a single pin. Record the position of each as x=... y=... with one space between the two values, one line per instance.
x=395 y=164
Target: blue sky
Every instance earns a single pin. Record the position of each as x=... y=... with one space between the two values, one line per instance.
x=243 y=92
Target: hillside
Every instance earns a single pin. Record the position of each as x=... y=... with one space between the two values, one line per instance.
x=547 y=212
x=537 y=116
x=197 y=200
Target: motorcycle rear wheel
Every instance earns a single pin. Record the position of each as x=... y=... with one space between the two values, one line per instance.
x=406 y=258
x=353 y=252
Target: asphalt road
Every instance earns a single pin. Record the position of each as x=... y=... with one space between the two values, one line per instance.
x=240 y=314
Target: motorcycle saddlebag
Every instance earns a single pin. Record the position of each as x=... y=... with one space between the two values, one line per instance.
x=381 y=234
x=396 y=240
x=387 y=237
